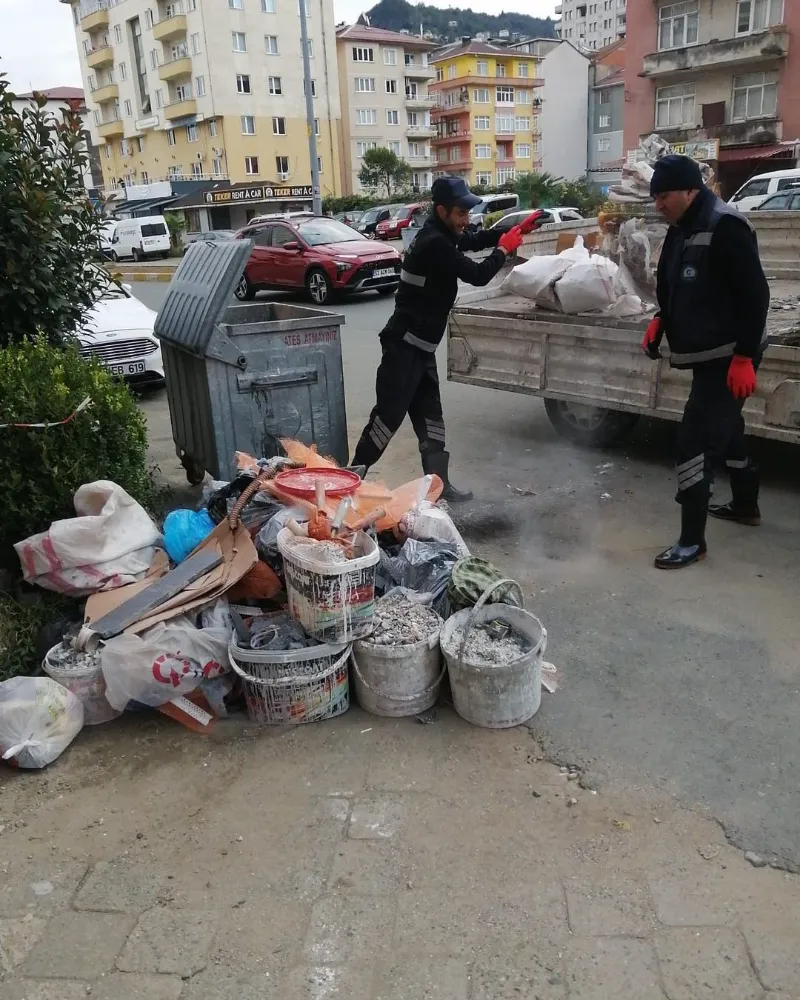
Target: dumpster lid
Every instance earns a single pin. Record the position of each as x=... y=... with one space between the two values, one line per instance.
x=200 y=292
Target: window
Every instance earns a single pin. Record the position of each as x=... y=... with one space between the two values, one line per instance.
x=522 y=124
x=191 y=5
x=316 y=127
x=413 y=119
x=275 y=86
x=171 y=137
x=236 y=4
x=313 y=88
x=212 y=127
x=677 y=25
x=197 y=169
x=391 y=86
x=366 y=116
x=282 y=235
x=177 y=51
x=506 y=174
x=279 y=126
x=159 y=98
x=501 y=69
x=311 y=48
x=154 y=58
x=752 y=189
x=363 y=55
x=200 y=86
x=175 y=171
x=483 y=151
x=604 y=96
x=123 y=71
x=319 y=165
x=148 y=18
x=128 y=109
x=482 y=68
x=248 y=125
x=504 y=95
x=192 y=134
x=390 y=57
x=504 y=124
x=251 y=165
x=124 y=149
x=415 y=151
x=395 y=147
x=455 y=154
x=183 y=92
x=439 y=74
x=482 y=123
x=271 y=44
x=755 y=95
x=481 y=96
x=195 y=43
x=756 y=15
x=603 y=145
x=451 y=71
x=523 y=151
x=604 y=121
x=145 y=177
x=118 y=34
x=363 y=147
x=675 y=106
x=216 y=167
x=483 y=178
x=243 y=83
x=267 y=6
x=392 y=118
x=239 y=39
x=522 y=69
x=365 y=84
x=139 y=144
x=523 y=96
x=282 y=164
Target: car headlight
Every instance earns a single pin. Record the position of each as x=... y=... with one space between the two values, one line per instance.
x=342 y=265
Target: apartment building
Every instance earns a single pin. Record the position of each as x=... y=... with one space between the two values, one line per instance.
x=606 y=148
x=383 y=85
x=725 y=73
x=210 y=90
x=592 y=25
x=486 y=112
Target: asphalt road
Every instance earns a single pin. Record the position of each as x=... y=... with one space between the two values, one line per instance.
x=687 y=682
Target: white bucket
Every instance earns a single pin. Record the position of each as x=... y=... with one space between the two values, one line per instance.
x=490 y=695
x=87 y=684
x=396 y=681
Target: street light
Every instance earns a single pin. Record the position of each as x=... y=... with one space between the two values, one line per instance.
x=312 y=135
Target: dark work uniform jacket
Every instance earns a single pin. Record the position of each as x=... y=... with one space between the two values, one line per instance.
x=429 y=282
x=712 y=293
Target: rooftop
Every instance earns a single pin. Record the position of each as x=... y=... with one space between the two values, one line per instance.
x=363 y=33
x=477 y=49
x=56 y=94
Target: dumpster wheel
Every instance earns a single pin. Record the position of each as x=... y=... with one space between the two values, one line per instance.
x=590 y=426
x=195 y=472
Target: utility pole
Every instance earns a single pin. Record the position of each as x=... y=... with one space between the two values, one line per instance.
x=312 y=135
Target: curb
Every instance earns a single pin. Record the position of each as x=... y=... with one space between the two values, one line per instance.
x=145 y=275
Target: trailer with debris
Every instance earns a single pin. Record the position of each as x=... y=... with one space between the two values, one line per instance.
x=591 y=371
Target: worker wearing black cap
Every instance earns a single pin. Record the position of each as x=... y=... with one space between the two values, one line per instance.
x=713 y=300
x=408 y=380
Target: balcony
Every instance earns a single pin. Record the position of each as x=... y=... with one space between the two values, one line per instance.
x=419 y=101
x=108 y=92
x=93 y=14
x=419 y=72
x=422 y=162
x=175 y=67
x=101 y=56
x=488 y=81
x=169 y=27
x=462 y=135
x=421 y=131
x=730 y=53
x=763 y=131
x=111 y=128
x=180 y=109
x=441 y=110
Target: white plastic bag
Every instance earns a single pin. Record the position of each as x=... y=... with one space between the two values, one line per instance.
x=168 y=660
x=38 y=720
x=428 y=523
x=535 y=278
x=110 y=543
x=587 y=287
x=577 y=253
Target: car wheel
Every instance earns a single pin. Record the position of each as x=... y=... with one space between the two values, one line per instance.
x=386 y=290
x=589 y=426
x=370 y=236
x=136 y=255
x=165 y=256
x=318 y=287
x=195 y=472
x=114 y=256
x=244 y=291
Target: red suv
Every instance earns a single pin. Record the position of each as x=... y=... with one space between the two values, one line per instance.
x=400 y=219
x=321 y=255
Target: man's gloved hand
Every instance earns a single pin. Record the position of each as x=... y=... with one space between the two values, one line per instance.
x=511 y=241
x=652 y=338
x=741 y=377
x=527 y=224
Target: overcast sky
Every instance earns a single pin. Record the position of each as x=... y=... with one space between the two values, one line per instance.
x=37 y=43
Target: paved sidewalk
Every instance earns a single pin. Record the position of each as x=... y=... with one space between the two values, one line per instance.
x=370 y=859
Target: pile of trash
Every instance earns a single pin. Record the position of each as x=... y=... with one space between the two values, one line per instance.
x=253 y=600
x=637 y=172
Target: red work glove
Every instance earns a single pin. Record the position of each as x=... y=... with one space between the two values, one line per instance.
x=511 y=241
x=527 y=225
x=741 y=377
x=652 y=338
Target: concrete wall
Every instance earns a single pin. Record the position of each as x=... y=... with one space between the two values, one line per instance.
x=565 y=110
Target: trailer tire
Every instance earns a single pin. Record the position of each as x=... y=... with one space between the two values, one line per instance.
x=589 y=426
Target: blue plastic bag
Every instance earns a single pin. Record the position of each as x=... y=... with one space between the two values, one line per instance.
x=184 y=530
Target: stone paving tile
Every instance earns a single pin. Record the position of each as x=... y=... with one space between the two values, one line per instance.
x=328 y=982
x=527 y=913
x=228 y=984
x=377 y=818
x=437 y=922
x=261 y=935
x=370 y=868
x=349 y=929
x=609 y=905
x=522 y=976
x=707 y=963
x=39 y=888
x=123 y=886
x=168 y=942
x=43 y=989
x=78 y=946
x=17 y=937
x=688 y=896
x=612 y=968
x=127 y=986
x=424 y=978
x=775 y=949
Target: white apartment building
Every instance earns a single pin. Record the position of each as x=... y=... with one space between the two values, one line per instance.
x=208 y=90
x=383 y=80
x=591 y=25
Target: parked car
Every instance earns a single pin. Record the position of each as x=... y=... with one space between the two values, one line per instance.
x=106 y=236
x=489 y=205
x=141 y=238
x=402 y=218
x=320 y=255
x=787 y=201
x=351 y=218
x=751 y=194
x=368 y=222
x=549 y=215
x=211 y=236
x=118 y=330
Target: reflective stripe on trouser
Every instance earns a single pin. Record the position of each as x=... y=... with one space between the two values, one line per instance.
x=407 y=384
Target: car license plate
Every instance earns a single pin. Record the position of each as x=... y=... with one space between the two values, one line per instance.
x=134 y=368
x=384 y=272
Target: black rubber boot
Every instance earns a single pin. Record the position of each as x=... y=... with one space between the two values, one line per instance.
x=691 y=547
x=437 y=463
x=743 y=508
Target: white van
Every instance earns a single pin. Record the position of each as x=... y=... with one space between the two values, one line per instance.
x=106 y=236
x=751 y=194
x=489 y=204
x=140 y=238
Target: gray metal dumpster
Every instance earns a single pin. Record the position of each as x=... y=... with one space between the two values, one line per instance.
x=240 y=377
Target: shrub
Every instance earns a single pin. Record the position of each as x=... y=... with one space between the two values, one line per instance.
x=490 y=219
x=40 y=469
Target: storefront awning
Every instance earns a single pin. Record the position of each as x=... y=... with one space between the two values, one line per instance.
x=738 y=153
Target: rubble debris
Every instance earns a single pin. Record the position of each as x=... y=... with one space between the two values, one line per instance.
x=485 y=645
x=755 y=859
x=280 y=632
x=402 y=622
x=329 y=553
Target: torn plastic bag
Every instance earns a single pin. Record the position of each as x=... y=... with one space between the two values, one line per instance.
x=587 y=287
x=38 y=720
x=423 y=567
x=255 y=514
x=428 y=523
x=184 y=530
